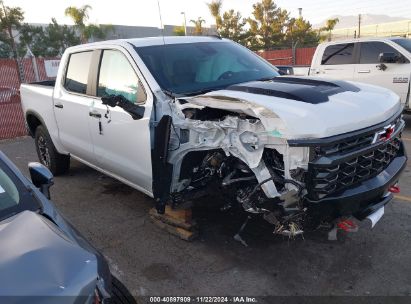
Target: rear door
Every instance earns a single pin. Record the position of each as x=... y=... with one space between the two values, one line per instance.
x=122 y=145
x=336 y=62
x=71 y=106
x=396 y=75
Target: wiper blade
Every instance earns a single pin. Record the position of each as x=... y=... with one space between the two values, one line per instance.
x=195 y=93
x=205 y=91
x=169 y=93
x=266 y=78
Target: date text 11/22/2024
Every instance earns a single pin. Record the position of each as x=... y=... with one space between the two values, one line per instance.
x=206 y=299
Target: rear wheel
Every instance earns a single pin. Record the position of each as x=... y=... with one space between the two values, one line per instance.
x=120 y=293
x=47 y=153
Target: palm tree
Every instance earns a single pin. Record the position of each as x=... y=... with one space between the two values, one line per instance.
x=78 y=14
x=198 y=26
x=80 y=17
x=329 y=26
x=215 y=9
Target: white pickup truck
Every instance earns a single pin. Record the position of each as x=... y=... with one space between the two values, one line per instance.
x=181 y=117
x=380 y=61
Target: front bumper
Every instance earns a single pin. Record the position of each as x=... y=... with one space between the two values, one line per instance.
x=361 y=200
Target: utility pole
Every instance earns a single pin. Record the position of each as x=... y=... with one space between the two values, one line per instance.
x=359 y=25
x=185 y=23
x=300 y=12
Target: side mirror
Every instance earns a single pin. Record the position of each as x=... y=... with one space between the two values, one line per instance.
x=41 y=177
x=136 y=111
x=388 y=58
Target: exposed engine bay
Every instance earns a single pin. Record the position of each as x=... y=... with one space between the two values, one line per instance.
x=235 y=154
x=232 y=142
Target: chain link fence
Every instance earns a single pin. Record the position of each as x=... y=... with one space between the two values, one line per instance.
x=11 y=114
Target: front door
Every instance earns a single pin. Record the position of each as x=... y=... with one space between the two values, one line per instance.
x=122 y=144
x=395 y=76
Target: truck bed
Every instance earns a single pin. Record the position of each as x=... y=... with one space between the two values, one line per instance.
x=47 y=83
x=37 y=98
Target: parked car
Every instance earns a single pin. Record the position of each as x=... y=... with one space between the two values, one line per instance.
x=379 y=61
x=43 y=258
x=180 y=117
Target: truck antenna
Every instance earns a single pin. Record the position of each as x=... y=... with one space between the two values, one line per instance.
x=161 y=21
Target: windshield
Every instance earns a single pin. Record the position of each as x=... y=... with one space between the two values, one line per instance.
x=405 y=43
x=203 y=66
x=14 y=196
x=9 y=195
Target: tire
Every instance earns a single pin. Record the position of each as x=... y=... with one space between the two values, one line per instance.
x=46 y=151
x=120 y=293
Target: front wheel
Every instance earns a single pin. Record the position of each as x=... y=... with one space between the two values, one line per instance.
x=47 y=153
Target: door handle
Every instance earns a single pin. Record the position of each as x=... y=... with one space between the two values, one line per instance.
x=94 y=114
x=364 y=71
x=59 y=105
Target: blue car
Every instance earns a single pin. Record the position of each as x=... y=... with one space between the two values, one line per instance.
x=43 y=258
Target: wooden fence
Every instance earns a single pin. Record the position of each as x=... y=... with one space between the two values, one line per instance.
x=302 y=57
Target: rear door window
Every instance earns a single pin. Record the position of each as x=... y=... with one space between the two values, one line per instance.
x=338 y=54
x=77 y=72
x=370 y=51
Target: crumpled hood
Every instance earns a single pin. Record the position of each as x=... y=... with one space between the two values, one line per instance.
x=37 y=260
x=291 y=116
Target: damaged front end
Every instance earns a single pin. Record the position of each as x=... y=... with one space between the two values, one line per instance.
x=234 y=148
x=243 y=151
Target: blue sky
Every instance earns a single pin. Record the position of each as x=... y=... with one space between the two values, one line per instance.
x=145 y=12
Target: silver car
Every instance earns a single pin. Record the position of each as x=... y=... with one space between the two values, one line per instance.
x=43 y=258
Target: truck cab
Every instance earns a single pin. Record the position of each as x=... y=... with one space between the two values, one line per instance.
x=383 y=62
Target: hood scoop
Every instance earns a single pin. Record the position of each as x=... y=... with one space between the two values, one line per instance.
x=308 y=90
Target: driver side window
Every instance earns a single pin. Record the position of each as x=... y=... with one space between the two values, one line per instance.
x=370 y=51
x=117 y=77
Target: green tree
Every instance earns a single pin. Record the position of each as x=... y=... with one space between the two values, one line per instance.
x=267 y=28
x=34 y=38
x=5 y=49
x=50 y=41
x=80 y=16
x=198 y=26
x=232 y=27
x=11 y=19
x=59 y=37
x=300 y=33
x=215 y=10
x=179 y=31
x=229 y=25
x=329 y=26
